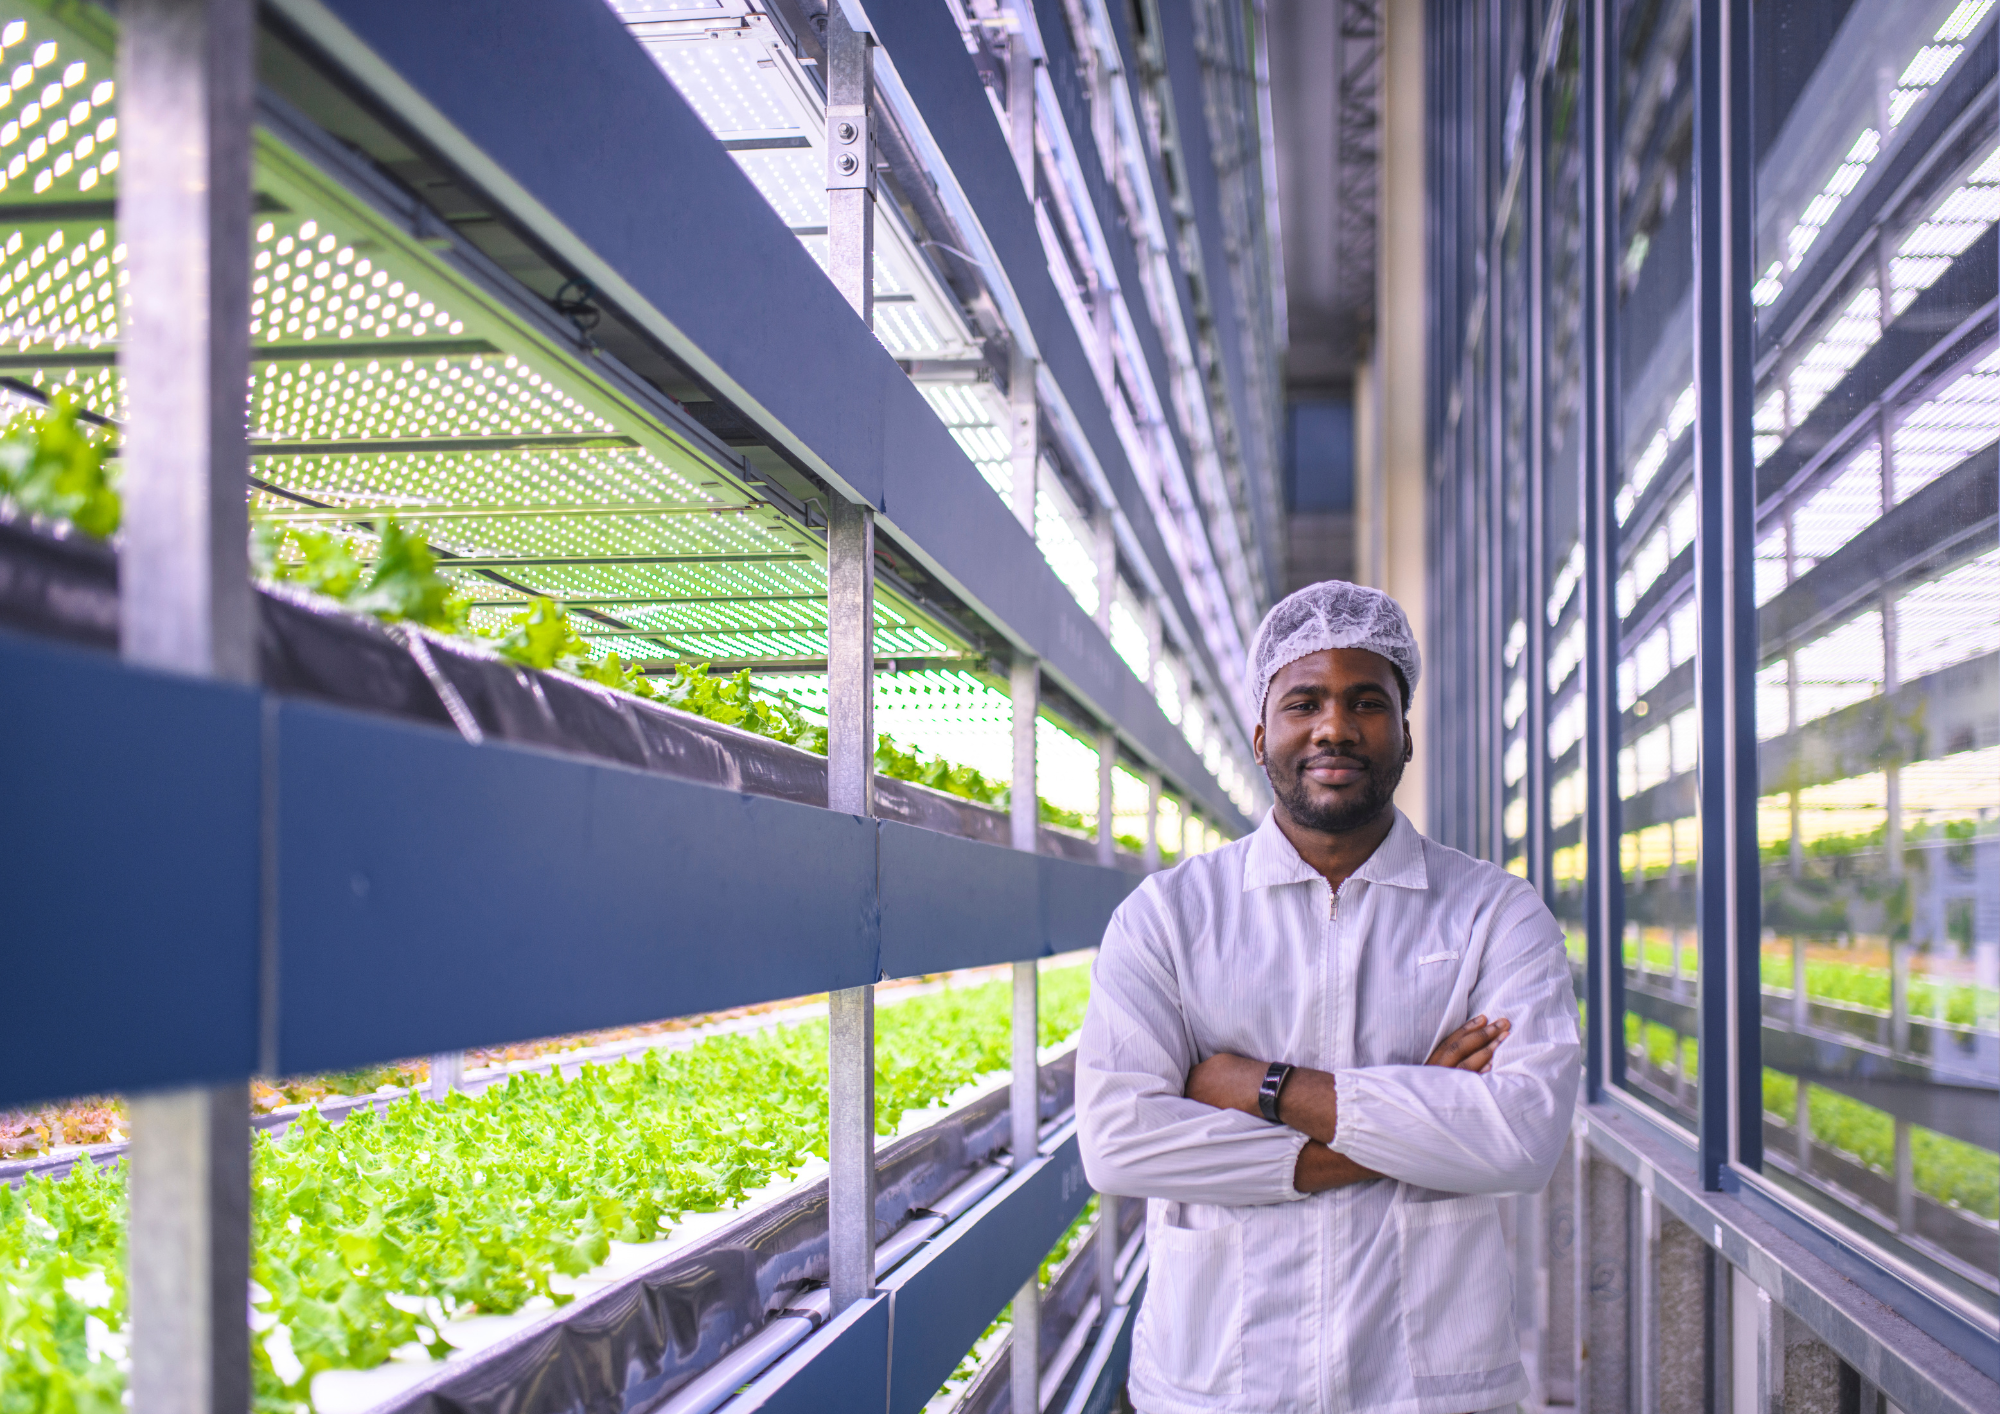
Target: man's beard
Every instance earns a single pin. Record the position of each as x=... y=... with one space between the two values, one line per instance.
x=1378 y=789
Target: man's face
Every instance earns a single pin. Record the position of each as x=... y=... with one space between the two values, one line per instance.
x=1334 y=739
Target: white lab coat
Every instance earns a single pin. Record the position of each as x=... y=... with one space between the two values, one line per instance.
x=1392 y=1295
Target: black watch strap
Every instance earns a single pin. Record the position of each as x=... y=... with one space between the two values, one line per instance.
x=1267 y=1093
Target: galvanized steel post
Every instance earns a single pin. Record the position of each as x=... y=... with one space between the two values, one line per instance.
x=850 y=669
x=850 y=787
x=1025 y=819
x=1021 y=104
x=1107 y=1254
x=1024 y=433
x=184 y=214
x=1152 y=820
x=1023 y=414
x=850 y=162
x=1107 y=764
x=1106 y=537
x=1025 y=1094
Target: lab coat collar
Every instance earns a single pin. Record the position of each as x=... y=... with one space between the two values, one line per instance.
x=1398 y=861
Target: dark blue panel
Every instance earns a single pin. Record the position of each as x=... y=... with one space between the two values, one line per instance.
x=759 y=299
x=129 y=866
x=1319 y=455
x=948 y=902
x=947 y=1294
x=1078 y=901
x=435 y=895
x=842 y=1369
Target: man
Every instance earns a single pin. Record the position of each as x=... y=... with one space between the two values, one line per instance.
x=1321 y=1226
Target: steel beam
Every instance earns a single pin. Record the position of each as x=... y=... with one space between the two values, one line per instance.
x=1107 y=843
x=189 y=1244
x=1025 y=1089
x=850 y=162
x=1152 y=847
x=184 y=78
x=851 y=1145
x=1024 y=818
x=850 y=787
x=850 y=676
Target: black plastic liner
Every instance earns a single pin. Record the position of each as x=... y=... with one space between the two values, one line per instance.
x=63 y=585
x=630 y=1346
x=58 y=585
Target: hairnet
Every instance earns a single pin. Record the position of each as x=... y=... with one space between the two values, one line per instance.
x=1331 y=614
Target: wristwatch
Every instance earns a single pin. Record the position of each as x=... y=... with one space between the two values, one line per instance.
x=1267 y=1093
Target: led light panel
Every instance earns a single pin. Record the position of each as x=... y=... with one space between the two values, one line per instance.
x=384 y=384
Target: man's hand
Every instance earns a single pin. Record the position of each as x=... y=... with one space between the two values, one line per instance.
x=1309 y=1102
x=1471 y=1047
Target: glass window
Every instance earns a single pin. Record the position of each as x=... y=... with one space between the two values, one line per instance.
x=1651 y=479
x=1878 y=585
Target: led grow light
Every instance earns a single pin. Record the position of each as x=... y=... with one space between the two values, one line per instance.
x=970 y=413
x=745 y=83
x=386 y=381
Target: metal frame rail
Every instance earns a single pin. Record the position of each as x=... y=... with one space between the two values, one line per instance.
x=230 y=916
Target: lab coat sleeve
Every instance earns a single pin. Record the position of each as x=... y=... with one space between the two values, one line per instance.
x=1500 y=1132
x=1141 y=1136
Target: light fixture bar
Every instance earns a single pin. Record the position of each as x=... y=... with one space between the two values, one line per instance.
x=915 y=663
x=106 y=355
x=714 y=632
x=392 y=446
x=648 y=601
x=501 y=562
x=315 y=515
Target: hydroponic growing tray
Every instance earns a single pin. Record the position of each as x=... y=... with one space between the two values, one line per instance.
x=63 y=585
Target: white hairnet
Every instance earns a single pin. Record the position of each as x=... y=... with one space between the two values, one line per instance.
x=1330 y=614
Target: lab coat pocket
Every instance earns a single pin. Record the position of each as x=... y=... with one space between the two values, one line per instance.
x=1458 y=1287
x=1194 y=1307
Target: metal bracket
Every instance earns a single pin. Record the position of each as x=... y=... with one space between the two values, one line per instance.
x=850 y=149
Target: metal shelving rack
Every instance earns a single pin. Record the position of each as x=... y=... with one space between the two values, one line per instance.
x=572 y=344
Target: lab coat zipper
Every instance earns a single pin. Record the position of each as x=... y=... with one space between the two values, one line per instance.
x=1332 y=1234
